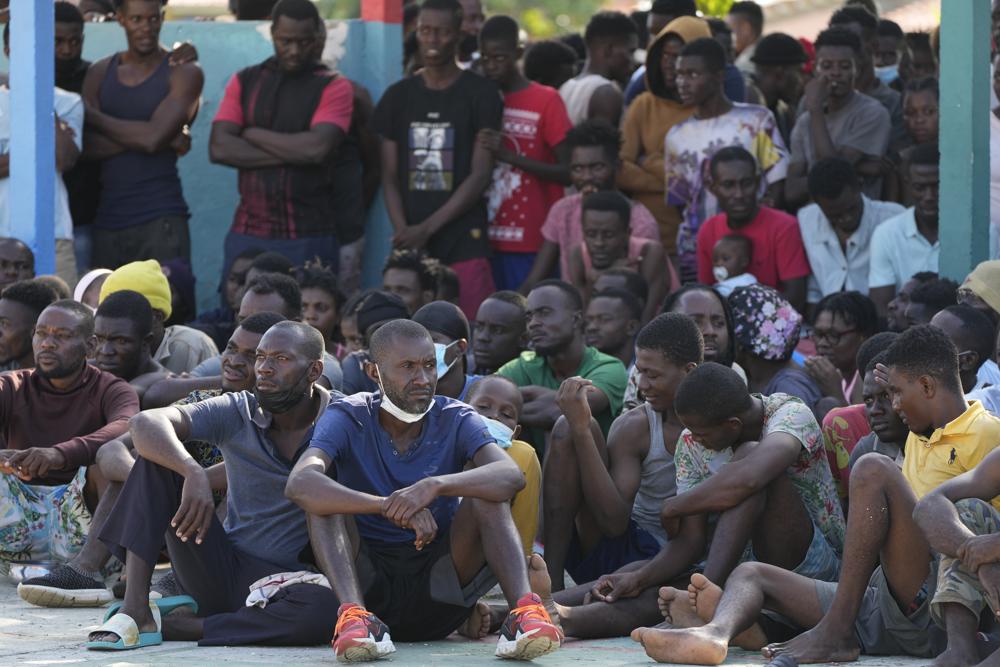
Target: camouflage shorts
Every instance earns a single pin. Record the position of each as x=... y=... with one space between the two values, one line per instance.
x=42 y=522
x=955 y=583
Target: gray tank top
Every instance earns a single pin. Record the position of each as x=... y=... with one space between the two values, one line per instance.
x=658 y=481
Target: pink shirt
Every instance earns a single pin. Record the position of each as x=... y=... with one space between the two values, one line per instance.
x=564 y=227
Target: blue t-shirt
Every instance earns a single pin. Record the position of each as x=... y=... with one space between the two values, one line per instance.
x=365 y=460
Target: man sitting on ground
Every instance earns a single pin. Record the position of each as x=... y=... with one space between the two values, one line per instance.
x=885 y=612
x=20 y=305
x=613 y=318
x=779 y=505
x=261 y=435
x=53 y=418
x=177 y=348
x=390 y=493
x=555 y=329
x=123 y=331
x=972 y=334
x=602 y=501
x=78 y=583
x=449 y=330
x=498 y=332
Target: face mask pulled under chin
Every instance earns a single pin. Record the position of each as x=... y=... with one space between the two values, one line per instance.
x=887 y=74
x=396 y=411
x=501 y=433
x=440 y=351
x=277 y=402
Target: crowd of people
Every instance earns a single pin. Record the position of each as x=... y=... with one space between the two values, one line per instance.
x=660 y=350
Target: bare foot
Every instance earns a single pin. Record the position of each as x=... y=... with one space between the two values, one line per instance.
x=704 y=596
x=541 y=585
x=817 y=645
x=477 y=625
x=692 y=646
x=956 y=657
x=676 y=608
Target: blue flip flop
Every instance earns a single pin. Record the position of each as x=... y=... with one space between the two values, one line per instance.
x=128 y=633
x=165 y=605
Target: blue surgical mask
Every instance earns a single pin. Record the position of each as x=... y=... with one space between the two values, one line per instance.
x=887 y=74
x=440 y=351
x=502 y=435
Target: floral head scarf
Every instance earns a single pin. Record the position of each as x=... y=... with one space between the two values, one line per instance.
x=764 y=323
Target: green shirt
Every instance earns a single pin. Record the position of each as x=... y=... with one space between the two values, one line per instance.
x=606 y=372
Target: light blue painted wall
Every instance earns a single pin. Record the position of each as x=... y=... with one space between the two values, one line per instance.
x=223 y=49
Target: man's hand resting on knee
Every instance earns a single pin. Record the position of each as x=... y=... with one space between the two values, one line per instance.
x=402 y=505
x=194 y=516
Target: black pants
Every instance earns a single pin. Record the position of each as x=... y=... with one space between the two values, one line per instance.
x=215 y=573
x=162 y=239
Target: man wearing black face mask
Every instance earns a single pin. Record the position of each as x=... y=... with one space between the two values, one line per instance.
x=261 y=435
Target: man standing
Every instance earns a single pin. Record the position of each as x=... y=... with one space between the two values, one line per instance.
x=531 y=155
x=747 y=22
x=69 y=141
x=716 y=123
x=123 y=332
x=17 y=262
x=908 y=244
x=778 y=259
x=434 y=171
x=837 y=229
x=864 y=24
x=777 y=61
x=53 y=419
x=280 y=123
x=138 y=110
x=555 y=329
x=498 y=332
x=838 y=121
x=596 y=93
x=392 y=518
x=20 y=306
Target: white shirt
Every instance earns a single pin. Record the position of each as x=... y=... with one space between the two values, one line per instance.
x=69 y=107
x=988 y=375
x=576 y=94
x=989 y=397
x=832 y=269
x=899 y=250
x=726 y=287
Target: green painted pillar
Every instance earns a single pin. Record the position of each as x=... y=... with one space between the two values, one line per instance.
x=965 y=136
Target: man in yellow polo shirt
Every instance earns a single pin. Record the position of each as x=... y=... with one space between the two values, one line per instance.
x=884 y=610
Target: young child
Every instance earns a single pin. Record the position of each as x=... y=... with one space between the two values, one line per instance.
x=498 y=399
x=608 y=244
x=730 y=259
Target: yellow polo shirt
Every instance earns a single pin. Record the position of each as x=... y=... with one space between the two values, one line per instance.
x=524 y=506
x=951 y=450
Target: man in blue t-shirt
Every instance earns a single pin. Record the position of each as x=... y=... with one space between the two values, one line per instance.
x=381 y=483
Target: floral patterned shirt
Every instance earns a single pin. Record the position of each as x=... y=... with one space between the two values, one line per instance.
x=810 y=473
x=688 y=150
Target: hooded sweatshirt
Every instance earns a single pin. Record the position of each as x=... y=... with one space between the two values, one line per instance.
x=647 y=121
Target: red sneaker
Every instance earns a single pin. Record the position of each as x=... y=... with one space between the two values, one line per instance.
x=528 y=632
x=360 y=636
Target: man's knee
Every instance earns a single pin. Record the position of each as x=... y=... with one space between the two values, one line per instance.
x=874 y=470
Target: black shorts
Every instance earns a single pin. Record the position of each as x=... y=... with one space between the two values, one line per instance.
x=417 y=593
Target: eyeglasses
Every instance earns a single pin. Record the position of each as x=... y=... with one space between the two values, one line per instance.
x=831 y=336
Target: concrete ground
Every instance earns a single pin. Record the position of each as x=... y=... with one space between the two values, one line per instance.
x=37 y=636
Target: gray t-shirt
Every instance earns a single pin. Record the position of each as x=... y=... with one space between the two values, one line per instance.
x=260 y=521
x=870 y=444
x=331 y=370
x=863 y=124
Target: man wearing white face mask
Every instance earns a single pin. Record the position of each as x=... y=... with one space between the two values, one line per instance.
x=449 y=329
x=400 y=550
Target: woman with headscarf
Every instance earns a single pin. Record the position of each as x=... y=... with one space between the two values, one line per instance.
x=766 y=330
